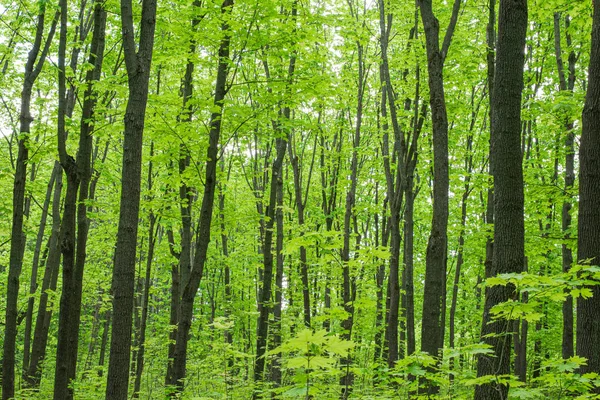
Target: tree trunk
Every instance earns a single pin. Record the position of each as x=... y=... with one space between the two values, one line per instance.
x=34 y=275
x=300 y=204
x=138 y=73
x=276 y=174
x=276 y=364
x=588 y=251
x=506 y=165
x=432 y=327
x=395 y=181
x=349 y=284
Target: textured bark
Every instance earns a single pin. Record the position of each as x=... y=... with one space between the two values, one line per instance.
x=588 y=250
x=33 y=67
x=432 y=327
x=488 y=215
x=138 y=73
x=506 y=165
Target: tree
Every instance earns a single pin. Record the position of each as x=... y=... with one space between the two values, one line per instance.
x=434 y=292
x=138 y=73
x=506 y=166
x=588 y=250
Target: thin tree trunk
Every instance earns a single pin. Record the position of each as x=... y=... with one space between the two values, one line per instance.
x=34 y=275
x=276 y=174
x=186 y=308
x=276 y=364
x=141 y=341
x=349 y=284
x=566 y=84
x=395 y=189
x=44 y=313
x=300 y=204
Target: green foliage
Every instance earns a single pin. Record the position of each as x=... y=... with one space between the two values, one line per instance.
x=311 y=358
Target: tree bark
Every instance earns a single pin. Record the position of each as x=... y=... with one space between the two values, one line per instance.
x=395 y=184
x=138 y=73
x=506 y=165
x=588 y=250
x=432 y=327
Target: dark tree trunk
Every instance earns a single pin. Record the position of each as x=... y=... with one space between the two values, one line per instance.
x=138 y=73
x=186 y=307
x=432 y=327
x=588 y=310
x=276 y=375
x=395 y=181
x=276 y=175
x=300 y=204
x=33 y=68
x=488 y=215
x=506 y=165
x=263 y=319
x=180 y=272
x=349 y=284
x=380 y=278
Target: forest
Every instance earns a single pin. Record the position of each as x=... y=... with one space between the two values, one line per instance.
x=300 y=199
